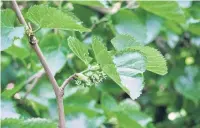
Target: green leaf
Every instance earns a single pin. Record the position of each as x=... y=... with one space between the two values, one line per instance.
x=126 y=122
x=132 y=109
x=55 y=60
x=39 y=123
x=18 y=50
x=124 y=74
x=81 y=103
x=9 y=32
x=79 y=49
x=109 y=103
x=129 y=105
x=194 y=40
x=50 y=42
x=155 y=61
x=128 y=109
x=9 y=93
x=94 y=3
x=130 y=66
x=51 y=46
x=167 y=9
x=195 y=28
x=188 y=84
x=11 y=123
x=80 y=12
x=194 y=10
x=121 y=41
x=105 y=60
x=81 y=120
x=127 y=22
x=29 y=123
x=48 y=17
x=174 y=27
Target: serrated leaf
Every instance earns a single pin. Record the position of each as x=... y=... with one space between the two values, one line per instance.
x=130 y=66
x=39 y=123
x=155 y=61
x=94 y=3
x=9 y=32
x=79 y=49
x=128 y=22
x=167 y=9
x=124 y=74
x=128 y=41
x=105 y=60
x=48 y=17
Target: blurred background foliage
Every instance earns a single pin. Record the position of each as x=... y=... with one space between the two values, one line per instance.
x=166 y=101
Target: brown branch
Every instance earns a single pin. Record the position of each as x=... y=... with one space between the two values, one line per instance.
x=35 y=46
x=19 y=15
x=62 y=87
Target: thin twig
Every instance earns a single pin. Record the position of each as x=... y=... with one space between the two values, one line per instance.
x=62 y=87
x=36 y=75
x=31 y=87
x=19 y=15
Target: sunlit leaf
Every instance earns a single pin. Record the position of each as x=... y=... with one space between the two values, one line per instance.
x=48 y=17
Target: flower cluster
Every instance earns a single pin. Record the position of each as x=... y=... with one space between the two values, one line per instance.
x=89 y=78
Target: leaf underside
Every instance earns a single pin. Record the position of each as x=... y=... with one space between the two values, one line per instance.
x=125 y=69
